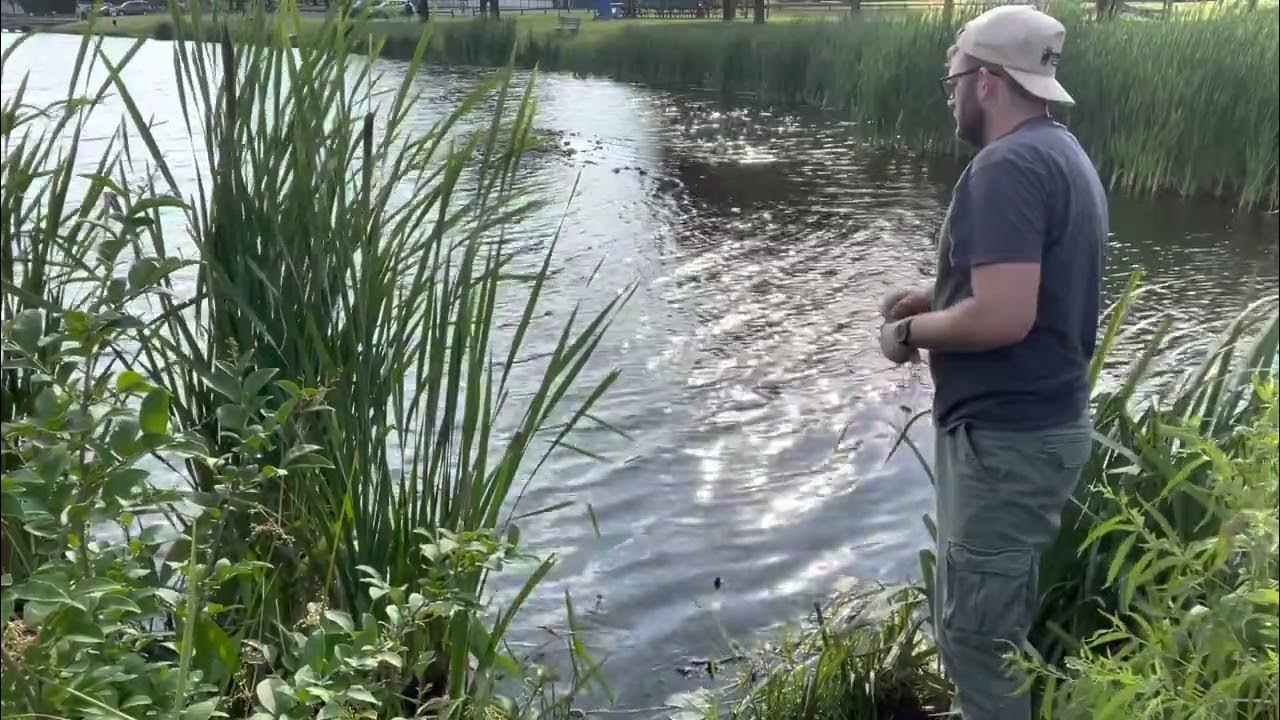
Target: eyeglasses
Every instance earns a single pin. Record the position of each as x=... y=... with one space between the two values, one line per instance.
x=950 y=82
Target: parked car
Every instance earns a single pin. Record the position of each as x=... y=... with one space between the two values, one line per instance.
x=131 y=7
x=397 y=7
x=83 y=10
x=383 y=9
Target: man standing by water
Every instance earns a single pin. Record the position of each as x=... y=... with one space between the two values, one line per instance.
x=1010 y=327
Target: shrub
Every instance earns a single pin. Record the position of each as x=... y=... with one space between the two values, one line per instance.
x=1196 y=638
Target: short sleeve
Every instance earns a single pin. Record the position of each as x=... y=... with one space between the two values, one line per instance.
x=1009 y=212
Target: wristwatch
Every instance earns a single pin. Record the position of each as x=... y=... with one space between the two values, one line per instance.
x=902 y=332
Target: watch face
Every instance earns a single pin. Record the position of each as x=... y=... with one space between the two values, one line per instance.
x=901 y=332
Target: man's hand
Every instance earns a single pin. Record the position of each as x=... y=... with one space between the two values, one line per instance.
x=903 y=303
x=893 y=350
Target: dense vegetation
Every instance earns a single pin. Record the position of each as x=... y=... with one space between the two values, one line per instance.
x=275 y=478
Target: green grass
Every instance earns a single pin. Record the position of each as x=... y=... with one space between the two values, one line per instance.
x=869 y=656
x=1192 y=6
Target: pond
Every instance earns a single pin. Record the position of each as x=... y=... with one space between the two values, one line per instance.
x=761 y=240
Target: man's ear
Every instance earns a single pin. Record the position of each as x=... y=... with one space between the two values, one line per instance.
x=986 y=83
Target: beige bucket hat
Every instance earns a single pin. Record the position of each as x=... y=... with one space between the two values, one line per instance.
x=1025 y=42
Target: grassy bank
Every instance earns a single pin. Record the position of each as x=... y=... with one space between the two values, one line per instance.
x=1189 y=105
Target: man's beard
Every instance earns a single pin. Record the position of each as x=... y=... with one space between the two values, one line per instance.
x=970 y=125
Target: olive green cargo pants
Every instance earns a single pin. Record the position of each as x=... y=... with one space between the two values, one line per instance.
x=1000 y=501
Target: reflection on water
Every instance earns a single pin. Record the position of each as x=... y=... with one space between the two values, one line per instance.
x=761 y=241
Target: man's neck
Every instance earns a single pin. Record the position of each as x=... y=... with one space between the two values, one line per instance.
x=999 y=127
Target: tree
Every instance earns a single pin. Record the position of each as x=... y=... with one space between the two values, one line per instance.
x=759 y=12
x=48 y=7
x=493 y=7
x=728 y=10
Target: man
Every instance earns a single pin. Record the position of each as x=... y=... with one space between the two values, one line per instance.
x=1010 y=327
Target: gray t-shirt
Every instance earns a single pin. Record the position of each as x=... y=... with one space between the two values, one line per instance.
x=1030 y=196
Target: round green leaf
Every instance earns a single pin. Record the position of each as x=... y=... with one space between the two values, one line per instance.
x=266 y=692
x=130 y=381
x=153 y=416
x=26 y=330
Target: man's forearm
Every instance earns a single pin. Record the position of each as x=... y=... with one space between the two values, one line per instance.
x=963 y=327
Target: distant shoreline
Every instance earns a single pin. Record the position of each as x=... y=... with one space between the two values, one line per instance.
x=1159 y=127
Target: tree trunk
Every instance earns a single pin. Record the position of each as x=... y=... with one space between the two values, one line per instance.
x=948 y=12
x=855 y=7
x=728 y=10
x=759 y=12
x=493 y=7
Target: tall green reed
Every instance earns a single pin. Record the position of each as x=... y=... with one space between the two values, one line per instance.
x=357 y=261
x=1084 y=577
x=1198 y=637
x=344 y=251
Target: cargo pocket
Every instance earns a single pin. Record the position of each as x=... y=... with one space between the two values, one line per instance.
x=989 y=592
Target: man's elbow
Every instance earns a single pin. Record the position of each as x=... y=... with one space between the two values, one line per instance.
x=1011 y=329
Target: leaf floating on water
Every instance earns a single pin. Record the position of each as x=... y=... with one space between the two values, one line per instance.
x=595 y=524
